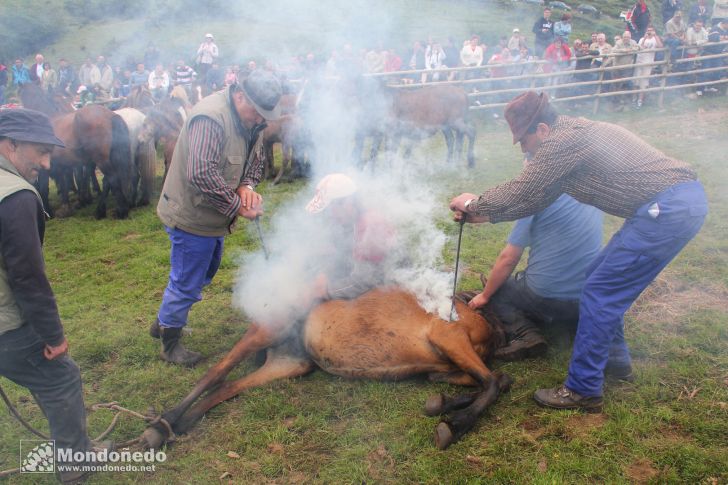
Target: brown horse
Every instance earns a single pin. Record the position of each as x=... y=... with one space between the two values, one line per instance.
x=163 y=125
x=384 y=335
x=94 y=137
x=420 y=113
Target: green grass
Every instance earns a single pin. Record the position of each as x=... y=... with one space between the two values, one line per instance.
x=109 y=275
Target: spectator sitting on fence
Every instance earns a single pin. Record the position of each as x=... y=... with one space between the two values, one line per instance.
x=675 y=31
x=159 y=83
x=66 y=77
x=516 y=41
x=374 y=60
x=393 y=62
x=695 y=37
x=604 y=48
x=584 y=56
x=88 y=74
x=624 y=51
x=646 y=55
x=562 y=28
x=140 y=76
x=502 y=57
x=699 y=11
x=471 y=56
x=434 y=59
x=416 y=61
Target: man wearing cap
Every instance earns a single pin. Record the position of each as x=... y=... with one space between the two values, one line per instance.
x=606 y=166
x=210 y=182
x=365 y=240
x=33 y=348
x=207 y=53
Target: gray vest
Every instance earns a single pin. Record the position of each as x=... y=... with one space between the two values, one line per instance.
x=181 y=205
x=10 y=182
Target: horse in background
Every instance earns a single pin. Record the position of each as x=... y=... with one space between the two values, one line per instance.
x=94 y=137
x=162 y=126
x=139 y=98
x=144 y=156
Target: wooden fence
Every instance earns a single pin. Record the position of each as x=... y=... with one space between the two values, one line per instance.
x=489 y=91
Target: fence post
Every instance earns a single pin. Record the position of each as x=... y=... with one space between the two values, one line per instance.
x=599 y=89
x=663 y=81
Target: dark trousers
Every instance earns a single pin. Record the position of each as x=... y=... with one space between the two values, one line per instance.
x=632 y=259
x=55 y=385
x=517 y=305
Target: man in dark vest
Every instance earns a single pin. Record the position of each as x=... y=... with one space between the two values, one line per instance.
x=33 y=348
x=211 y=181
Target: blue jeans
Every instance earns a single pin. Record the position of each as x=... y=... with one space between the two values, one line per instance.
x=194 y=261
x=55 y=385
x=623 y=269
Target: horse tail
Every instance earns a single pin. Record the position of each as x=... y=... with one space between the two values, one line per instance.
x=120 y=154
x=147 y=154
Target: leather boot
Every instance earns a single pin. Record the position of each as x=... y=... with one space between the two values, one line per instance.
x=524 y=341
x=173 y=351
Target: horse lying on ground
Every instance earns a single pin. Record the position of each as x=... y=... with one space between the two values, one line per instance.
x=383 y=334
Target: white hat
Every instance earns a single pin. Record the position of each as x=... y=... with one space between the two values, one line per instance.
x=81 y=89
x=209 y=35
x=333 y=186
x=516 y=29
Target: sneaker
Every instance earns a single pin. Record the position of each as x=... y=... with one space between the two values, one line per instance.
x=619 y=372
x=564 y=398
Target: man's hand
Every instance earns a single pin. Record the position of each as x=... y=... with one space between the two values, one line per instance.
x=51 y=353
x=251 y=203
x=478 y=301
x=457 y=205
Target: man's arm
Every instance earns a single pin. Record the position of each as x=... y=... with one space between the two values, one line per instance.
x=505 y=264
x=203 y=168
x=20 y=243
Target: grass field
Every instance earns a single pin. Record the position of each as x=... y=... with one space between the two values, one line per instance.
x=670 y=426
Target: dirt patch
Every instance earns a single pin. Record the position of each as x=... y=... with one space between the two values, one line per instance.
x=581 y=425
x=641 y=471
x=380 y=463
x=669 y=298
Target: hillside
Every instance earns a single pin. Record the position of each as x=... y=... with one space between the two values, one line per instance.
x=257 y=29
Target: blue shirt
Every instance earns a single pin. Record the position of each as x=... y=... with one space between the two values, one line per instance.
x=564 y=239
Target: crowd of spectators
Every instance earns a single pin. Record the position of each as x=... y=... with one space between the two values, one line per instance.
x=554 y=46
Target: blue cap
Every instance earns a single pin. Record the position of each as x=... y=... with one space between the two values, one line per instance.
x=29 y=126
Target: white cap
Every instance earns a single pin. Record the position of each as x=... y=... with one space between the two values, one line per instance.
x=209 y=35
x=333 y=186
x=516 y=29
x=81 y=89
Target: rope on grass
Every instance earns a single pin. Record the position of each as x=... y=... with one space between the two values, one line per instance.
x=149 y=419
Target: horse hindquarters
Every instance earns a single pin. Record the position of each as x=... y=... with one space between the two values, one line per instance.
x=120 y=158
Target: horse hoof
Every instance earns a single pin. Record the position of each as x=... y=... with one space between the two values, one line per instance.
x=443 y=436
x=434 y=405
x=152 y=438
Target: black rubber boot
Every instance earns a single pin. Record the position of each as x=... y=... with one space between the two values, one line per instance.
x=173 y=351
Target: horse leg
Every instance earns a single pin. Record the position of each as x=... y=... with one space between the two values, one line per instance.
x=454 y=342
x=255 y=339
x=101 y=206
x=279 y=364
x=448 y=133
x=42 y=185
x=122 y=203
x=91 y=169
x=459 y=139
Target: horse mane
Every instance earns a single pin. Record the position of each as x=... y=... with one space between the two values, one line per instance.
x=139 y=98
x=178 y=92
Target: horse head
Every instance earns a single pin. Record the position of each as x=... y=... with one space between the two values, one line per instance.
x=52 y=104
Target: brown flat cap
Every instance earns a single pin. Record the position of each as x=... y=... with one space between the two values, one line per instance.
x=522 y=111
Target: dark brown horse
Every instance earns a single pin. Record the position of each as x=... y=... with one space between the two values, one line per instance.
x=420 y=113
x=384 y=335
x=163 y=125
x=94 y=137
